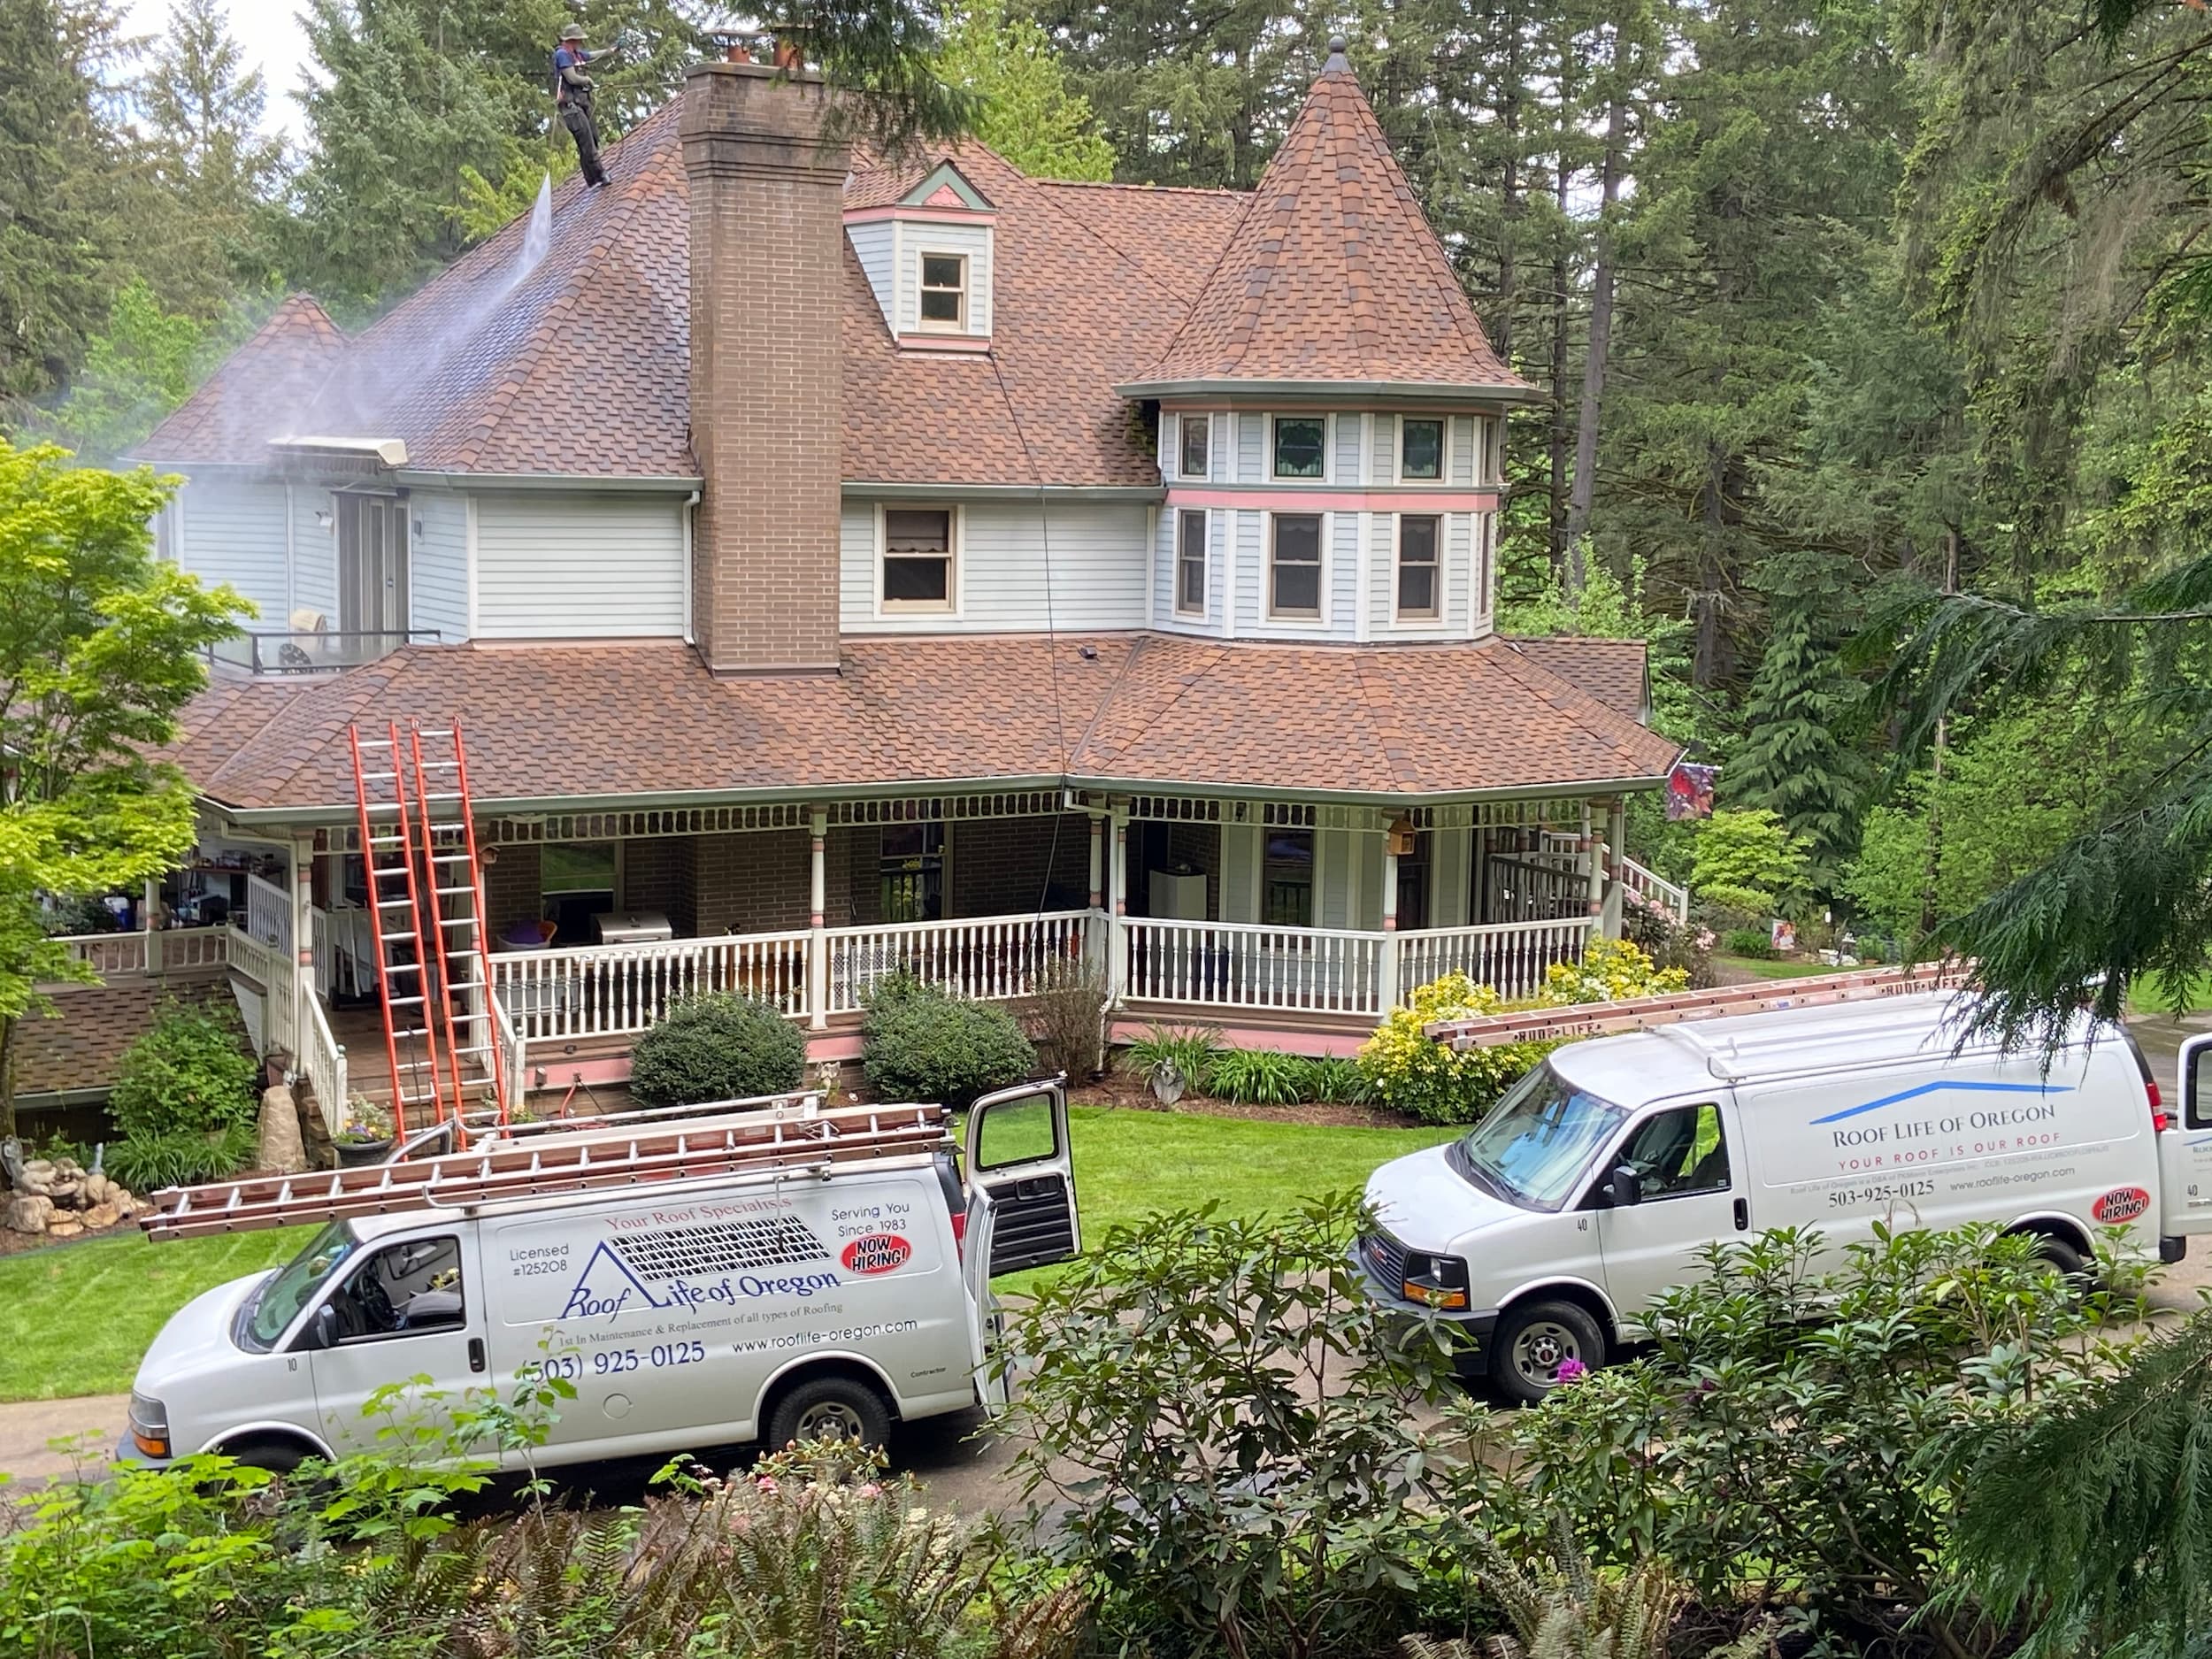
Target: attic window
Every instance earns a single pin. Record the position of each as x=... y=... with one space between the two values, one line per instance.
x=945 y=290
x=1301 y=446
x=1421 y=450
x=917 y=554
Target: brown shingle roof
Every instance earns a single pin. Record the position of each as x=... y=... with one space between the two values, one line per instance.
x=565 y=722
x=1334 y=273
x=260 y=392
x=1612 y=670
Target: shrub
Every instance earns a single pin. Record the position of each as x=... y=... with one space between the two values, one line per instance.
x=1258 y=1076
x=921 y=1044
x=1747 y=861
x=1336 y=1081
x=191 y=1073
x=1687 y=946
x=1747 y=941
x=1067 y=1016
x=1190 y=1050
x=1222 y=1424
x=721 y=1046
x=1800 y=1440
x=182 y=1157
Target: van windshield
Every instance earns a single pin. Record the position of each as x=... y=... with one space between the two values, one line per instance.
x=1539 y=1139
x=270 y=1314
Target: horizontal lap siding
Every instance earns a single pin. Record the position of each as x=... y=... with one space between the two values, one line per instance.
x=1251 y=562
x=1465 y=430
x=439 y=555
x=314 y=553
x=235 y=533
x=555 y=565
x=871 y=246
x=1382 y=553
x=1343 y=575
x=974 y=240
x=1024 y=568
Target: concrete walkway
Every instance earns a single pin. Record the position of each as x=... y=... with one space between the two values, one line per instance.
x=28 y=1429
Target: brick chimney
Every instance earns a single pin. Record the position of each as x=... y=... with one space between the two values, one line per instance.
x=767 y=386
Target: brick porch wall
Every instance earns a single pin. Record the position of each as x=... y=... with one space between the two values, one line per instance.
x=1002 y=866
x=510 y=887
x=757 y=881
x=1199 y=846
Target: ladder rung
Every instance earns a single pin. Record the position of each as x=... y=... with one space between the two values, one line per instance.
x=447 y=765
x=393 y=905
x=403 y=1002
x=447 y=893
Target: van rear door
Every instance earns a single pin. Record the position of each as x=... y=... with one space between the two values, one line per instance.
x=975 y=1270
x=2185 y=1151
x=1018 y=1155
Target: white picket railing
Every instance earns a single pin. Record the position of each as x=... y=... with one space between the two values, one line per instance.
x=108 y=953
x=988 y=958
x=273 y=971
x=605 y=990
x=1534 y=888
x=1510 y=956
x=514 y=1053
x=1654 y=888
x=268 y=913
x=179 y=948
x=1234 y=965
x=321 y=1060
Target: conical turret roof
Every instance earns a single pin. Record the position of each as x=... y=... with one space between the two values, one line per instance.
x=1333 y=274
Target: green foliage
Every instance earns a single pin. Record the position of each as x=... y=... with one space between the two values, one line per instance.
x=192 y=1071
x=1067 y=1014
x=144 y=363
x=147 y=1163
x=1747 y=862
x=1335 y=1081
x=1027 y=113
x=1258 y=1076
x=1747 y=941
x=1191 y=1050
x=1221 y=1421
x=919 y=1043
x=1798 y=1440
x=718 y=1047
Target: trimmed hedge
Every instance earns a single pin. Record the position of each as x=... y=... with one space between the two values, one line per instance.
x=720 y=1047
x=918 y=1043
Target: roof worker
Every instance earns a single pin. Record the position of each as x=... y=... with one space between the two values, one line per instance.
x=572 y=99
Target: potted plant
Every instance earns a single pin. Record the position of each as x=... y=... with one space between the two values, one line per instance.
x=366 y=1137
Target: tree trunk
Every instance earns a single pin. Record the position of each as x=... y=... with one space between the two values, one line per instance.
x=1558 y=517
x=7 y=1077
x=1509 y=191
x=1601 y=344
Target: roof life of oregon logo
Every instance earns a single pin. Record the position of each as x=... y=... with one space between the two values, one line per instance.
x=608 y=1285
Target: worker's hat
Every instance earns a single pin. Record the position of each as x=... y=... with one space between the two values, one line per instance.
x=574 y=31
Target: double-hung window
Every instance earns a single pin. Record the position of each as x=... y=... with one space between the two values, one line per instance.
x=1194 y=435
x=917 y=557
x=945 y=291
x=1301 y=446
x=1420 y=451
x=1419 y=588
x=1190 y=565
x=1294 y=565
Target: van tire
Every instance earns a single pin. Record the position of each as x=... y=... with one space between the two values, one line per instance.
x=828 y=1408
x=276 y=1453
x=1531 y=1341
x=2062 y=1254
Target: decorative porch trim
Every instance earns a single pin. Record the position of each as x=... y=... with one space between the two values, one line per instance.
x=1307 y=815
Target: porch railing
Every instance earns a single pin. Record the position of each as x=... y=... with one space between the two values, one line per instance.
x=1232 y=965
x=988 y=958
x=269 y=913
x=607 y=990
x=1537 y=887
x=176 y=949
x=321 y=1060
x=1654 y=888
x=273 y=971
x=1512 y=956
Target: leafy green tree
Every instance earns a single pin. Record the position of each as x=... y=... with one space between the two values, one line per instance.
x=100 y=647
x=135 y=371
x=1747 y=861
x=1797 y=759
x=1028 y=114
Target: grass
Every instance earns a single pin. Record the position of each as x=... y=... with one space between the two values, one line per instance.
x=1773 y=967
x=75 y=1320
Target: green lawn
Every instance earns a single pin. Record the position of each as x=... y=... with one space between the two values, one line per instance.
x=75 y=1320
x=1773 y=968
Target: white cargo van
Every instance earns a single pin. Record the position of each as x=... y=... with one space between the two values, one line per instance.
x=1544 y=1232
x=825 y=1276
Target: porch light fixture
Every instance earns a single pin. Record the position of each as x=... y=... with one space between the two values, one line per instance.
x=322 y=520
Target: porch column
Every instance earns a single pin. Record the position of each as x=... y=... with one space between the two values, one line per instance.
x=1593 y=864
x=149 y=904
x=1098 y=862
x=303 y=940
x=817 y=907
x=1616 y=866
x=1096 y=944
x=1387 y=969
x=1117 y=923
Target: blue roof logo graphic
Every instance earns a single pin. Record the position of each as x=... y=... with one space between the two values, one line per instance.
x=1939 y=1088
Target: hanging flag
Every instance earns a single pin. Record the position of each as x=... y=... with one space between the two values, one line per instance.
x=1690 y=791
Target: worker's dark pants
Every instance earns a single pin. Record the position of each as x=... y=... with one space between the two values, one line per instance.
x=578 y=120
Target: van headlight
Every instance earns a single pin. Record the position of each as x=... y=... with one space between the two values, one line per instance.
x=149 y=1426
x=1435 y=1281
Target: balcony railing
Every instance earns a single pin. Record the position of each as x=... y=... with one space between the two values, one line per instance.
x=172 y=950
x=282 y=652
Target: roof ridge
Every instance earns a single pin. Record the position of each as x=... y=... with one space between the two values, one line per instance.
x=1578 y=705
x=1384 y=708
x=1144 y=188
x=1105 y=702
x=1089 y=231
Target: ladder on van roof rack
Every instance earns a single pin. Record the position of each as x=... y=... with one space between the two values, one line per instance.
x=1643 y=1013
x=782 y=1134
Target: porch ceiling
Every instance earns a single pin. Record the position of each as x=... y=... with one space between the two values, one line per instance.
x=605 y=726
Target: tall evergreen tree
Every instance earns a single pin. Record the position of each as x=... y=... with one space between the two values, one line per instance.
x=1028 y=114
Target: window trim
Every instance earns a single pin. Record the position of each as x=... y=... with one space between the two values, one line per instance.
x=1182 y=428
x=1443 y=478
x=956 y=532
x=1433 y=617
x=1279 y=480
x=1319 y=616
x=923 y=322
x=1205 y=560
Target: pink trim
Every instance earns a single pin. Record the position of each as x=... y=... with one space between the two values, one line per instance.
x=976 y=343
x=842 y=1045
x=1312 y=1043
x=1306 y=498
x=945 y=195
x=920 y=215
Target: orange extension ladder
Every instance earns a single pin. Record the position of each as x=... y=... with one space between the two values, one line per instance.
x=425 y=894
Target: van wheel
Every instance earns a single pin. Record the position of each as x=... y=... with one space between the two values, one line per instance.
x=277 y=1456
x=1532 y=1341
x=2070 y=1263
x=830 y=1409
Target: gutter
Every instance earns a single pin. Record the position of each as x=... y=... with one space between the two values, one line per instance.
x=667 y=483
x=859 y=490
x=1246 y=392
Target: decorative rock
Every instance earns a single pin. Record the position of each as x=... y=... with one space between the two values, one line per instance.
x=95 y=1190
x=38 y=1176
x=126 y=1205
x=64 y=1227
x=26 y=1212
x=100 y=1215
x=282 y=1151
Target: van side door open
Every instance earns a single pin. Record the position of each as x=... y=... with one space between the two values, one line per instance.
x=1670 y=1188
x=1017 y=1154
x=2185 y=1151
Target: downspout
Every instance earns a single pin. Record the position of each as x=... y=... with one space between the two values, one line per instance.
x=690 y=576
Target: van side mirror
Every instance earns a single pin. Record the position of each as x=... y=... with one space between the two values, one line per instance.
x=1625 y=1185
x=322 y=1328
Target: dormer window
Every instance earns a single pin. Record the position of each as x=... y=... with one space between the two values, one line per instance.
x=945 y=291
x=1421 y=450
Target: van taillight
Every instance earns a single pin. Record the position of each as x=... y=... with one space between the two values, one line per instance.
x=960 y=1233
x=2160 y=1122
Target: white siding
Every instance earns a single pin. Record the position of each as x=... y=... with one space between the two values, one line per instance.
x=314 y=553
x=1023 y=568
x=1382 y=572
x=1343 y=573
x=1240 y=873
x=235 y=532
x=1459 y=559
x=1251 y=446
x=1251 y=570
x=1383 y=457
x=872 y=246
x=438 y=573
x=916 y=238
x=552 y=565
x=1165 y=532
x=1463 y=446
x=1347 y=431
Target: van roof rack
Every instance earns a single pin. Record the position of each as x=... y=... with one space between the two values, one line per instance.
x=786 y=1134
x=1647 y=1013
